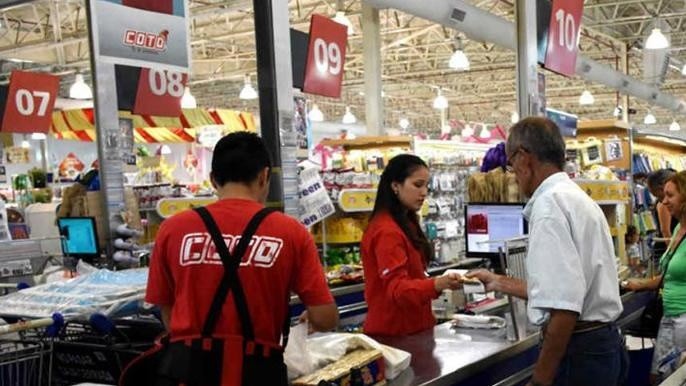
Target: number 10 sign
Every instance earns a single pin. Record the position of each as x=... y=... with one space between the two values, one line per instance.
x=325 y=57
x=563 y=38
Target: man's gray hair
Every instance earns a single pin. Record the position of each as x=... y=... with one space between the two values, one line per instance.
x=540 y=137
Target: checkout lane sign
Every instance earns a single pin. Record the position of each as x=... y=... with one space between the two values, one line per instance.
x=563 y=36
x=325 y=57
x=137 y=37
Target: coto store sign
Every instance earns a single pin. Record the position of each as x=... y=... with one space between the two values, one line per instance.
x=146 y=40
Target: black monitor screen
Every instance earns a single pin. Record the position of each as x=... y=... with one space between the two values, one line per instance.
x=80 y=236
x=492 y=222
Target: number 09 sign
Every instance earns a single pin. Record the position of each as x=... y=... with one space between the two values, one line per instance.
x=30 y=100
x=563 y=38
x=325 y=57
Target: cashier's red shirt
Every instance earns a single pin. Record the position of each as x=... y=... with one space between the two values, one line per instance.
x=185 y=271
x=397 y=290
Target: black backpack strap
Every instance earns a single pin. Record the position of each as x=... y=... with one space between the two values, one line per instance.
x=286 y=328
x=230 y=280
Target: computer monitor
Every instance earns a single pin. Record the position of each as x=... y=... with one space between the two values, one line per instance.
x=491 y=222
x=80 y=237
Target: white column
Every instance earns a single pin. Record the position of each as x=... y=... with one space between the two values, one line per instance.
x=371 y=43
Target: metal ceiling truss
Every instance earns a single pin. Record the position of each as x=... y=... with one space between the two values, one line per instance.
x=50 y=35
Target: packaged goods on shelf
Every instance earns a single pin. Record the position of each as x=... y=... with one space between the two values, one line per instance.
x=494 y=186
x=451 y=164
x=341 y=229
x=343 y=265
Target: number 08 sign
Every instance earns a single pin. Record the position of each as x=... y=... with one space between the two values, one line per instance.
x=325 y=57
x=563 y=38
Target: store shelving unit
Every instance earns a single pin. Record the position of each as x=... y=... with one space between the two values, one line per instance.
x=613 y=197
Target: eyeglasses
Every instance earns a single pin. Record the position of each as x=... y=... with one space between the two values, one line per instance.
x=511 y=159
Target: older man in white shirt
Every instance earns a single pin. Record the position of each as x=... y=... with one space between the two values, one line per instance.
x=571 y=284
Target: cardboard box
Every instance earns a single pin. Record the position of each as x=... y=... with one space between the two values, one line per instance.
x=370 y=364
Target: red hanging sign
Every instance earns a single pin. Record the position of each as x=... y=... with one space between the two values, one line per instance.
x=563 y=36
x=325 y=57
x=159 y=93
x=30 y=100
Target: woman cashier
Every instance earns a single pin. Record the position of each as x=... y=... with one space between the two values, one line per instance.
x=395 y=254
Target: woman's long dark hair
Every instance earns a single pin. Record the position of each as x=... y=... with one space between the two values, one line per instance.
x=398 y=169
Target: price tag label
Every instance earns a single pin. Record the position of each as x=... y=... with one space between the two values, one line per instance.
x=325 y=57
x=159 y=93
x=563 y=36
x=30 y=100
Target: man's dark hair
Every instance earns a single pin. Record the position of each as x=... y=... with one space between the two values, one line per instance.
x=658 y=178
x=540 y=137
x=239 y=157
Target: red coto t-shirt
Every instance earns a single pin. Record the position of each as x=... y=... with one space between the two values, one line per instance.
x=282 y=258
x=397 y=290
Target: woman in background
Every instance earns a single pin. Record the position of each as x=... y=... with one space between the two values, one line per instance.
x=671 y=335
x=396 y=253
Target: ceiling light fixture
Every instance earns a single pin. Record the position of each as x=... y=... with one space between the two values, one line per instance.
x=315 y=114
x=649 y=119
x=485 y=133
x=617 y=112
x=404 y=123
x=514 y=118
x=248 y=92
x=25 y=144
x=440 y=102
x=79 y=89
x=586 y=98
x=341 y=18
x=657 y=40
x=188 y=100
x=349 y=118
x=39 y=136
x=683 y=70
x=459 y=61
x=674 y=126
x=467 y=131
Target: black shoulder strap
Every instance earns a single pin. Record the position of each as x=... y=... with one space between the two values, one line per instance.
x=230 y=280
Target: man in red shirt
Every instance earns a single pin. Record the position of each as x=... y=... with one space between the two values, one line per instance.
x=185 y=270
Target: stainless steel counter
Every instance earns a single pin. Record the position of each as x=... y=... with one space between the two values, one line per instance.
x=446 y=356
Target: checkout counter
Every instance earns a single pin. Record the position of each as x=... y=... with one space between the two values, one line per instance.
x=466 y=357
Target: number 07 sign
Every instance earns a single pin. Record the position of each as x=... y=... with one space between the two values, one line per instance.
x=30 y=100
x=325 y=57
x=563 y=36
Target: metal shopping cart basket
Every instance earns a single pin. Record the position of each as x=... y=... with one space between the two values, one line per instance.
x=24 y=363
x=81 y=318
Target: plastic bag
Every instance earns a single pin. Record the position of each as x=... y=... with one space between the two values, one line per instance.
x=297 y=356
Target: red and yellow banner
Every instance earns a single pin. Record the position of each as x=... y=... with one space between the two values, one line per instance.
x=79 y=124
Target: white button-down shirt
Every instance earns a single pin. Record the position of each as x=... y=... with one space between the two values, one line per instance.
x=571 y=260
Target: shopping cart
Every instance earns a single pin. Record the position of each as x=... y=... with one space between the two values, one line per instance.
x=25 y=363
x=84 y=328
